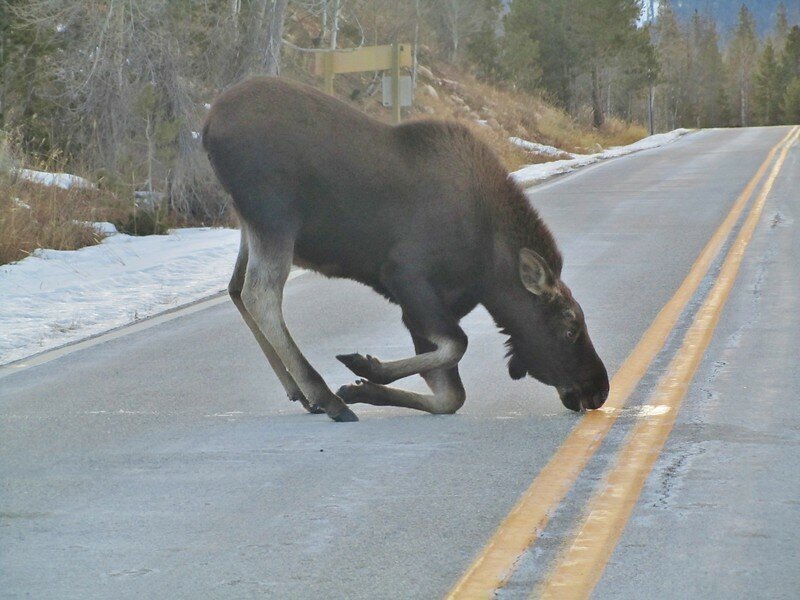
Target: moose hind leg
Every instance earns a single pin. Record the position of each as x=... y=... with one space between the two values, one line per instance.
x=268 y=265
x=235 y=291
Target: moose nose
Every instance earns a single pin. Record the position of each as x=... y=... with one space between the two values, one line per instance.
x=597 y=394
x=595 y=400
x=587 y=396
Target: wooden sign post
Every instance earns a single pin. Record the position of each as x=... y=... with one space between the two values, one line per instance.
x=371 y=58
x=395 y=74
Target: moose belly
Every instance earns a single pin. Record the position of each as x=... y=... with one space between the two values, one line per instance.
x=327 y=269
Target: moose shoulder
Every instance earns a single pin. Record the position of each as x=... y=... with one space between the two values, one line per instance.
x=422 y=212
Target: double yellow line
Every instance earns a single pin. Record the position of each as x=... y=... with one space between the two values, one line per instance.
x=580 y=566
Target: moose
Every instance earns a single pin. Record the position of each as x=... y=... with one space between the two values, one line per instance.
x=423 y=213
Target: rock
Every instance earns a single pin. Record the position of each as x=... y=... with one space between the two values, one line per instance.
x=425 y=72
x=451 y=85
x=428 y=110
x=596 y=149
x=429 y=90
x=493 y=124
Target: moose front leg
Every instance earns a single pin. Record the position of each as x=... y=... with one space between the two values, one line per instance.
x=425 y=315
x=448 y=391
x=446 y=353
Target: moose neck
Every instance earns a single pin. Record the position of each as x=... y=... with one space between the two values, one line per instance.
x=517 y=225
x=504 y=293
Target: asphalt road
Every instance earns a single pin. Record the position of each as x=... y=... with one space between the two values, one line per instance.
x=167 y=463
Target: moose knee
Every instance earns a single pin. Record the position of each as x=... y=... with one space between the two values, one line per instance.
x=450 y=349
x=262 y=302
x=448 y=403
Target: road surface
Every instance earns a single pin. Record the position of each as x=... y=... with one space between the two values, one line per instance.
x=165 y=461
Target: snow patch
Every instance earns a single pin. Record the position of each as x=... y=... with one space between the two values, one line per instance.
x=539 y=148
x=102 y=227
x=63 y=180
x=55 y=297
x=531 y=174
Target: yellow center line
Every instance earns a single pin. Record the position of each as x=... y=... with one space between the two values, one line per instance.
x=580 y=567
x=518 y=531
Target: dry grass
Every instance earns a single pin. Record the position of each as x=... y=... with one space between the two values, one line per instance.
x=34 y=216
x=506 y=113
x=458 y=95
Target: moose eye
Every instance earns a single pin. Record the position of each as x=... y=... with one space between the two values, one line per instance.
x=570 y=334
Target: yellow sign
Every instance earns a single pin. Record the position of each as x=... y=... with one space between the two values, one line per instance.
x=370 y=58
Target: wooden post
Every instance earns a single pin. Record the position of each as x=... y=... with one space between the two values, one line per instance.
x=395 y=73
x=328 y=72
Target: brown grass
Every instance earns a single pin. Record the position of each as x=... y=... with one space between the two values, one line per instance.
x=462 y=97
x=34 y=216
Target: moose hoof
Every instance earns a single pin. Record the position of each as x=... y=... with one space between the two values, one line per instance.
x=314 y=410
x=345 y=415
x=352 y=393
x=367 y=367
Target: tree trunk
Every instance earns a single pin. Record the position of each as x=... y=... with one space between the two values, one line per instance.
x=742 y=100
x=597 y=100
x=335 y=26
x=274 y=41
x=414 y=63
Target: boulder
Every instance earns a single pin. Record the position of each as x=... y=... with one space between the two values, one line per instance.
x=429 y=90
x=425 y=72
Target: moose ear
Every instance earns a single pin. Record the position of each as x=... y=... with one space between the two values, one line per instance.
x=536 y=276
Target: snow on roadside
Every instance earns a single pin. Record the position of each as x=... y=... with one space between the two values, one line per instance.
x=540 y=148
x=531 y=174
x=63 y=180
x=54 y=297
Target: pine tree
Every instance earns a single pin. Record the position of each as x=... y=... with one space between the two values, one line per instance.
x=542 y=25
x=791 y=103
x=603 y=30
x=791 y=53
x=781 y=25
x=484 y=49
x=673 y=55
x=768 y=88
x=707 y=76
x=742 y=59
